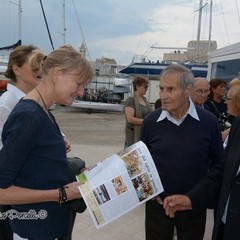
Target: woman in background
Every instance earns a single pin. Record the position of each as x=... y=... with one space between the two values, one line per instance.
x=136 y=109
x=23 y=78
x=233 y=105
x=216 y=103
x=24 y=67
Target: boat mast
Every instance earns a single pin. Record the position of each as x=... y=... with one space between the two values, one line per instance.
x=210 y=28
x=45 y=19
x=20 y=20
x=64 y=23
x=199 y=30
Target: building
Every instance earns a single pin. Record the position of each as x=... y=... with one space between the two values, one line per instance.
x=224 y=63
x=191 y=55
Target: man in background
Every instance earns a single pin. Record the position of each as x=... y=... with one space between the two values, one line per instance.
x=200 y=92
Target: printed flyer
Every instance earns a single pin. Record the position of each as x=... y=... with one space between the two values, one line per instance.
x=119 y=184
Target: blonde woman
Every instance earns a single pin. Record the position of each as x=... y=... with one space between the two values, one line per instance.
x=34 y=175
x=233 y=107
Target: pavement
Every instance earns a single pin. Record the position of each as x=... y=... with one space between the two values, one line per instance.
x=94 y=137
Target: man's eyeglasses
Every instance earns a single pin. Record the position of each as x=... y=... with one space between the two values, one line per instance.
x=202 y=91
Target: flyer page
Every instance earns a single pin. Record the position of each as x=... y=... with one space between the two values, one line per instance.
x=119 y=184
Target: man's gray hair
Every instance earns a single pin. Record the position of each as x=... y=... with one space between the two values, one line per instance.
x=187 y=76
x=200 y=79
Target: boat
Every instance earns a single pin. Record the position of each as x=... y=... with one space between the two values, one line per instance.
x=192 y=58
x=3 y=79
x=104 y=99
x=105 y=92
x=90 y=106
x=153 y=70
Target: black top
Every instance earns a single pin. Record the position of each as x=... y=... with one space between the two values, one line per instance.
x=182 y=154
x=219 y=110
x=34 y=156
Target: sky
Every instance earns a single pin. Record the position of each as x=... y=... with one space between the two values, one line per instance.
x=119 y=29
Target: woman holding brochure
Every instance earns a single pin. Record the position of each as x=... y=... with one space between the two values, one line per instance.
x=34 y=176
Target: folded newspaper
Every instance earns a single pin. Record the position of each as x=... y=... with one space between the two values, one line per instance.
x=119 y=184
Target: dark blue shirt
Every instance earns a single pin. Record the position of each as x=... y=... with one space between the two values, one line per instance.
x=34 y=156
x=182 y=154
x=219 y=109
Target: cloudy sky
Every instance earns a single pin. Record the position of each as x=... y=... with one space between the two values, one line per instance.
x=119 y=29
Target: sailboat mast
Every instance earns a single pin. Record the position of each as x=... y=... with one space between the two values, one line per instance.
x=20 y=20
x=210 y=28
x=19 y=5
x=45 y=19
x=199 y=30
x=64 y=23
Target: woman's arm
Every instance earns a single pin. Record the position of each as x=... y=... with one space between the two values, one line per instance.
x=14 y=195
x=129 y=113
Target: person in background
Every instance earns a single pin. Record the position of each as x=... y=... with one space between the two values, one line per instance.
x=233 y=105
x=233 y=82
x=185 y=142
x=200 y=92
x=157 y=103
x=23 y=80
x=31 y=134
x=220 y=187
x=216 y=103
x=136 y=109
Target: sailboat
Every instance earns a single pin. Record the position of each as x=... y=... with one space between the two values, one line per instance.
x=139 y=65
x=99 y=98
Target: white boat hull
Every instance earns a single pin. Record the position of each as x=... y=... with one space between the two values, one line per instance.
x=114 y=107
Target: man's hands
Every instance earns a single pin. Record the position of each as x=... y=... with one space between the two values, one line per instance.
x=176 y=203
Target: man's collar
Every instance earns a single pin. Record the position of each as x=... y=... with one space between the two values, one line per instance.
x=191 y=111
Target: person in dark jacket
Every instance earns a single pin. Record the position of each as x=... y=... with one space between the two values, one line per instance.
x=221 y=187
x=216 y=103
x=185 y=142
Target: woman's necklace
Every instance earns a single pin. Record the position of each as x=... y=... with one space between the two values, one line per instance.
x=40 y=95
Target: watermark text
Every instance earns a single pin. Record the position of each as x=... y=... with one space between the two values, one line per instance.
x=30 y=215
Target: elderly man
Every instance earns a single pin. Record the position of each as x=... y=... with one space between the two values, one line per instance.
x=200 y=92
x=219 y=187
x=184 y=141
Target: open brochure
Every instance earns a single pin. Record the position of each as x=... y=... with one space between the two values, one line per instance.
x=120 y=183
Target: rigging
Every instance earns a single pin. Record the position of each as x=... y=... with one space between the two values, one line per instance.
x=45 y=19
x=80 y=27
